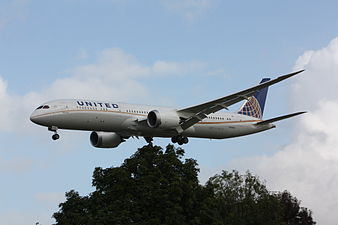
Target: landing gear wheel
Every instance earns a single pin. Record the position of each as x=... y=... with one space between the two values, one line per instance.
x=55 y=137
x=179 y=140
x=174 y=139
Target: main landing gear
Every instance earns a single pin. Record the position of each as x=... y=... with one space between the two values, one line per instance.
x=54 y=129
x=149 y=140
x=180 y=140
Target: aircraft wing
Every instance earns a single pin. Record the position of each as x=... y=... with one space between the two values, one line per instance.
x=197 y=113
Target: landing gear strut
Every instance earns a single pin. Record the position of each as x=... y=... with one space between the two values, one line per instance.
x=149 y=140
x=54 y=129
x=180 y=140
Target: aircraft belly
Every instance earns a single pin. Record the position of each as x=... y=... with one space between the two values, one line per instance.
x=224 y=131
x=92 y=121
x=150 y=132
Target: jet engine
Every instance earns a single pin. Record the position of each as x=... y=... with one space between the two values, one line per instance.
x=163 y=119
x=105 y=139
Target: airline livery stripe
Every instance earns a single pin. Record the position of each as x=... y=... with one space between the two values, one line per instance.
x=242 y=121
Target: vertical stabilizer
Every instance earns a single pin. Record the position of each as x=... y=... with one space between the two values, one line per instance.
x=255 y=104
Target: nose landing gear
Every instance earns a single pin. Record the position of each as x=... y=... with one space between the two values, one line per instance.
x=54 y=129
x=55 y=136
x=180 y=140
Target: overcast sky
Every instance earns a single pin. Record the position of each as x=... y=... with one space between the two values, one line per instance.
x=170 y=53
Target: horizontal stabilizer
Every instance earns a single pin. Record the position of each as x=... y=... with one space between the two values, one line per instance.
x=279 y=118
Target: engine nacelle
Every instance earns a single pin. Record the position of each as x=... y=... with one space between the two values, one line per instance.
x=163 y=119
x=105 y=139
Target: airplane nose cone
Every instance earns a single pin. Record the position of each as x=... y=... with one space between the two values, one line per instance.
x=40 y=119
x=33 y=118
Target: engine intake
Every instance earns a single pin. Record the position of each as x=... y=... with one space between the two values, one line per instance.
x=154 y=119
x=105 y=139
x=162 y=119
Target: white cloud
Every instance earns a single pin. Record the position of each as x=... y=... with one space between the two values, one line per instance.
x=14 y=116
x=189 y=9
x=321 y=78
x=308 y=167
x=115 y=75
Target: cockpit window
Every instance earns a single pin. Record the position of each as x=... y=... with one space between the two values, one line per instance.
x=39 y=107
x=45 y=107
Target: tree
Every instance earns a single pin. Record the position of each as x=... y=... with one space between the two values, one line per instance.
x=292 y=213
x=244 y=199
x=74 y=210
x=159 y=187
x=151 y=187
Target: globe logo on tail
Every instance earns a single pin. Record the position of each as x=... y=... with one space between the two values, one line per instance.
x=252 y=108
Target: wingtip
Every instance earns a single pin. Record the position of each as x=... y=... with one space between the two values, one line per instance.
x=297 y=72
x=283 y=77
x=299 y=113
x=300 y=71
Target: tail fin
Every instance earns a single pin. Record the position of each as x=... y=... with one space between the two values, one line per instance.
x=255 y=105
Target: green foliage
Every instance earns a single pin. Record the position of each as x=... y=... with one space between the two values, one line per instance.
x=74 y=210
x=292 y=213
x=159 y=187
x=243 y=199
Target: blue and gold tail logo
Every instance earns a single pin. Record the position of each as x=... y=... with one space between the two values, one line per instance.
x=252 y=108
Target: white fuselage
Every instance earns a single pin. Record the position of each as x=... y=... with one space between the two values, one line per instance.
x=130 y=120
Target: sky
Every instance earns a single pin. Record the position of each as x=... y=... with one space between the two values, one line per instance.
x=169 y=53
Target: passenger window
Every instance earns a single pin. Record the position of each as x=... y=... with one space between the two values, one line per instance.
x=45 y=107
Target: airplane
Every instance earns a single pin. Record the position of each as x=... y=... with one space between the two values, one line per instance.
x=112 y=123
